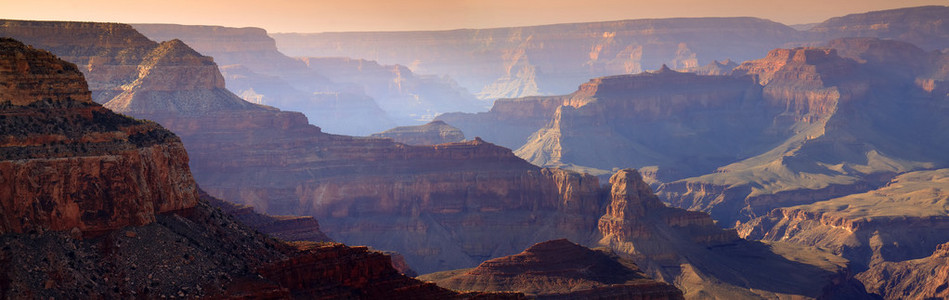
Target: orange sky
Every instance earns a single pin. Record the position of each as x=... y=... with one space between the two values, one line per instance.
x=367 y=15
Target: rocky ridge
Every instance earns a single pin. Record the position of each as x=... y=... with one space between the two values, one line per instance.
x=559 y=269
x=923 y=278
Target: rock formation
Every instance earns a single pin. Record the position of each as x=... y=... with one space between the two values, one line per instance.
x=848 y=132
x=559 y=269
x=68 y=163
x=435 y=132
x=96 y=204
x=923 y=278
x=905 y=219
x=550 y=59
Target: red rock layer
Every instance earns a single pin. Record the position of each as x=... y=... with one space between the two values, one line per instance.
x=67 y=161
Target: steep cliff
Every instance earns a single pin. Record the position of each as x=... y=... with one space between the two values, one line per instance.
x=704 y=261
x=67 y=163
x=550 y=59
x=852 y=126
x=684 y=123
x=559 y=269
x=435 y=132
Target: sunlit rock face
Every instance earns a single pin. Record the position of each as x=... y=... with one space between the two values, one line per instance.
x=69 y=163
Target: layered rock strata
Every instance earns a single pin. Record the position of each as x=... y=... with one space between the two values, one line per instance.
x=905 y=219
x=923 y=278
x=68 y=163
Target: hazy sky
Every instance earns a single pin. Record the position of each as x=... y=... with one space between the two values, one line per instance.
x=372 y=15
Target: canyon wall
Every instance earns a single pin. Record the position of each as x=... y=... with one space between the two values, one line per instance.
x=66 y=161
x=550 y=59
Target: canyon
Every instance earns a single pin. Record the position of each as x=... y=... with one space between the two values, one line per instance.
x=97 y=204
x=550 y=59
x=835 y=138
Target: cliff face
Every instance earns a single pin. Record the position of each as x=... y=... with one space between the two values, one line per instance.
x=923 y=278
x=689 y=249
x=906 y=219
x=435 y=132
x=66 y=160
x=559 y=269
x=523 y=61
x=844 y=120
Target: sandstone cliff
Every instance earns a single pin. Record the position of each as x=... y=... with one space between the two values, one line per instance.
x=435 y=132
x=559 y=269
x=66 y=161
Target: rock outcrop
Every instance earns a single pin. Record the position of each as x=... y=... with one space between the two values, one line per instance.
x=433 y=133
x=67 y=163
x=96 y=204
x=923 y=278
x=559 y=269
x=550 y=59
x=906 y=219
